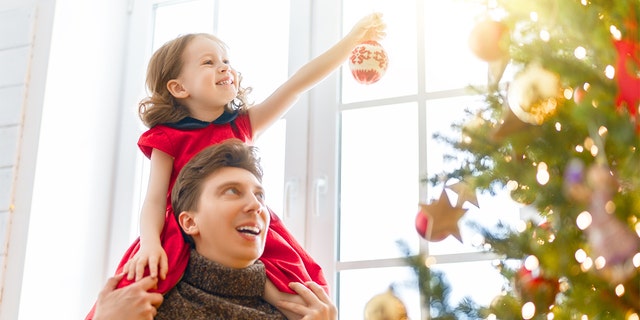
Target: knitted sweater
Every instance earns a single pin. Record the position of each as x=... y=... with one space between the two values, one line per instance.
x=209 y=290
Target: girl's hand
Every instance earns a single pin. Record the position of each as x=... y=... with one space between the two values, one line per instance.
x=151 y=255
x=370 y=27
x=316 y=304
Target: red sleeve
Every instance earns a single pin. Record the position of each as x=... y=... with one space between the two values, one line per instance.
x=244 y=126
x=156 y=138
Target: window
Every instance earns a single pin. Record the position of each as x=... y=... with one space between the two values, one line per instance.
x=386 y=146
x=344 y=166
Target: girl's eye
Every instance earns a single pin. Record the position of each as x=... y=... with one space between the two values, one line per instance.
x=208 y=62
x=227 y=61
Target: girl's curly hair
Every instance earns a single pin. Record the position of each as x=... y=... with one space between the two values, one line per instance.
x=165 y=64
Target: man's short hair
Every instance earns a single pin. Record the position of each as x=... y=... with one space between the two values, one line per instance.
x=188 y=187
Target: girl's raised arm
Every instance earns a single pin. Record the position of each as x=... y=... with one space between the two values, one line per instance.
x=262 y=115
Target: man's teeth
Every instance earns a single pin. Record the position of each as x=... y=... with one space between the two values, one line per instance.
x=248 y=229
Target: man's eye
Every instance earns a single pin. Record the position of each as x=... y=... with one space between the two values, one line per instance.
x=232 y=191
x=260 y=195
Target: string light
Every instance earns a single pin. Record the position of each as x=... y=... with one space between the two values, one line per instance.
x=610 y=72
x=528 y=310
x=545 y=36
x=580 y=255
x=615 y=32
x=543 y=174
x=636 y=260
x=600 y=262
x=580 y=53
x=584 y=220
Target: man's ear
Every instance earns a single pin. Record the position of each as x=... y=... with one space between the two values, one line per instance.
x=188 y=223
x=176 y=89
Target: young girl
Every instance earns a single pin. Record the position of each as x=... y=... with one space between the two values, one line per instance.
x=196 y=100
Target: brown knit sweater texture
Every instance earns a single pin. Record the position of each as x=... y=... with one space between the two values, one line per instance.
x=209 y=290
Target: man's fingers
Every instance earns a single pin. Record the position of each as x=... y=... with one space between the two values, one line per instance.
x=156 y=299
x=318 y=291
x=112 y=282
x=307 y=295
x=148 y=283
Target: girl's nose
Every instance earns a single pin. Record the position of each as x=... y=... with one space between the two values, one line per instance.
x=224 y=68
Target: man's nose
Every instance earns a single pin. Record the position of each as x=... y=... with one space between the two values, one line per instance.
x=254 y=204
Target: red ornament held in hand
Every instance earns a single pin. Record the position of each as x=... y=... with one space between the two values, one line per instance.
x=368 y=62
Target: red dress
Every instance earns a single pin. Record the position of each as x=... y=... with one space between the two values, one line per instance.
x=284 y=258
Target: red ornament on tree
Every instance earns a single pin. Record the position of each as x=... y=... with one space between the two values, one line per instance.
x=627 y=67
x=488 y=40
x=533 y=287
x=368 y=62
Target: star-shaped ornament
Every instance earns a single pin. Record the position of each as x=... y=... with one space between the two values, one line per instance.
x=442 y=218
x=465 y=193
x=509 y=124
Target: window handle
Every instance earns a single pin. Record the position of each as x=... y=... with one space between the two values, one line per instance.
x=319 y=188
x=290 y=192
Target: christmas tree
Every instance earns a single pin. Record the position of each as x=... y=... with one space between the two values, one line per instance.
x=560 y=130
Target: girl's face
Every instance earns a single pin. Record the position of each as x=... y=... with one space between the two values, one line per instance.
x=230 y=224
x=206 y=76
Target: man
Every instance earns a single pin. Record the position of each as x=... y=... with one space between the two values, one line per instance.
x=218 y=200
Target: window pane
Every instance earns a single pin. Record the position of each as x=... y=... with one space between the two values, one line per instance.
x=478 y=280
x=401 y=76
x=271 y=150
x=378 y=181
x=258 y=42
x=357 y=287
x=449 y=62
x=172 y=20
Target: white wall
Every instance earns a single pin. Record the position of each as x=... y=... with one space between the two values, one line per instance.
x=68 y=137
x=24 y=49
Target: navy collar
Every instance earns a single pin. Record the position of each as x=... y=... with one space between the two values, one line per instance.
x=190 y=123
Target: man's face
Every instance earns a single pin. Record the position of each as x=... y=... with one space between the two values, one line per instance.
x=230 y=225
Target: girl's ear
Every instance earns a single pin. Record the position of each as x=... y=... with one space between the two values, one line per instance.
x=188 y=223
x=176 y=89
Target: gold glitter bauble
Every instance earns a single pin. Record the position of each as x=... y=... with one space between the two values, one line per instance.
x=385 y=306
x=534 y=94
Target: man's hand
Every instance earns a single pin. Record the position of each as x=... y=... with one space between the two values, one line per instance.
x=316 y=306
x=133 y=302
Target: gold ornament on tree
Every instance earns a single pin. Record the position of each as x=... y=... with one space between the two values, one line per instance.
x=385 y=306
x=535 y=94
x=489 y=40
